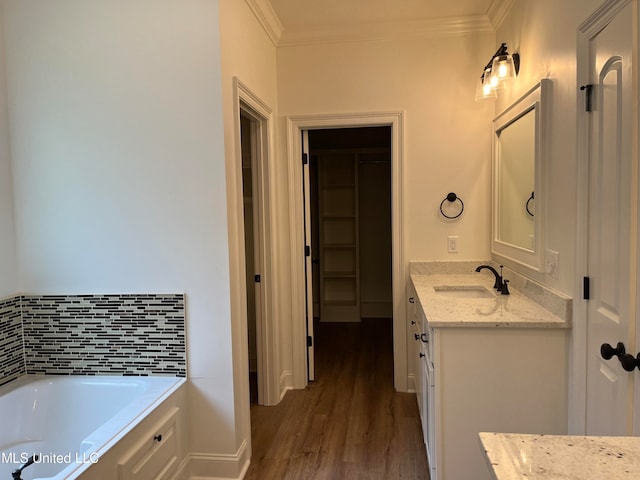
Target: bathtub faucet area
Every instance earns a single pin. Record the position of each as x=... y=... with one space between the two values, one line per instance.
x=17 y=474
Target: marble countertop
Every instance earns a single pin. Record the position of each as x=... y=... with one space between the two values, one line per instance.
x=561 y=457
x=515 y=310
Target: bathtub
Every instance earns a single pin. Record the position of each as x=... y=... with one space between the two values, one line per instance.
x=70 y=422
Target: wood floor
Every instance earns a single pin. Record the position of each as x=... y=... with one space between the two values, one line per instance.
x=349 y=423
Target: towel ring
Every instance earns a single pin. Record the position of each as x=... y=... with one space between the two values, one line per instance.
x=452 y=197
x=528 y=202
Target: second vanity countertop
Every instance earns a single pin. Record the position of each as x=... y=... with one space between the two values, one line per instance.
x=515 y=310
x=518 y=456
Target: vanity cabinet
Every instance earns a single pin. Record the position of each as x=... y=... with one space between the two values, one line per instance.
x=421 y=366
x=155 y=457
x=483 y=377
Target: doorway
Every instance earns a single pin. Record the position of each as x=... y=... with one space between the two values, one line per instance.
x=350 y=199
x=350 y=210
x=302 y=344
x=247 y=132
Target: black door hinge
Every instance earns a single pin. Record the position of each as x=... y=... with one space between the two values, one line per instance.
x=588 y=90
x=305 y=158
x=586 y=293
x=309 y=341
x=307 y=251
x=257 y=278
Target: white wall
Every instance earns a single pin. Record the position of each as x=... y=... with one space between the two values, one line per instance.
x=119 y=174
x=545 y=34
x=248 y=54
x=447 y=141
x=8 y=269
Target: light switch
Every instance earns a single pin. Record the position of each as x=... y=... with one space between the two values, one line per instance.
x=452 y=244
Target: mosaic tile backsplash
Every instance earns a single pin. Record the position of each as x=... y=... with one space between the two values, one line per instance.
x=11 y=342
x=101 y=334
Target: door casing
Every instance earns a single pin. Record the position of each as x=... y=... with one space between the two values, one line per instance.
x=295 y=126
x=266 y=254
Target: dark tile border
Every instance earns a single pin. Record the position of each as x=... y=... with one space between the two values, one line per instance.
x=12 y=363
x=99 y=334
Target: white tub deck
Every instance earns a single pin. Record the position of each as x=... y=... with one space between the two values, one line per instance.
x=71 y=421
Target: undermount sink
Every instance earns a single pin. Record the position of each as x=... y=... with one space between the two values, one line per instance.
x=463 y=291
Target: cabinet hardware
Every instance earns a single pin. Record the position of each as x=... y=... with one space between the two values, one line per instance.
x=158 y=438
x=417 y=337
x=413 y=322
x=411 y=300
x=421 y=354
x=425 y=338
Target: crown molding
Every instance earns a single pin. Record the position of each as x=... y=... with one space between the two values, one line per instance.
x=498 y=11
x=268 y=18
x=347 y=33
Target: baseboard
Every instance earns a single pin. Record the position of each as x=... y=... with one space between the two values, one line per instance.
x=286 y=382
x=411 y=383
x=206 y=466
x=182 y=473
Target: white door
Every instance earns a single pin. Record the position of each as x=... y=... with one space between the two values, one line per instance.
x=610 y=307
x=253 y=232
x=307 y=263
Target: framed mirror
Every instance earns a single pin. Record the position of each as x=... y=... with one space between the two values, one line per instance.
x=519 y=156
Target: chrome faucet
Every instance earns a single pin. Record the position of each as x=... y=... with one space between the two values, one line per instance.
x=498 y=284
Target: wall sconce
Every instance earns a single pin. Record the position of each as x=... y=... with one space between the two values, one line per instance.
x=501 y=68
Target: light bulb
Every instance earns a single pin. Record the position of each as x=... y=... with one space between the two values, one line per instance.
x=502 y=70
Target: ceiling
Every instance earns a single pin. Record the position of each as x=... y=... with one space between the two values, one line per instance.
x=295 y=22
x=319 y=14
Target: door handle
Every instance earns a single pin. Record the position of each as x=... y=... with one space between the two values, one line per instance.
x=628 y=361
x=607 y=351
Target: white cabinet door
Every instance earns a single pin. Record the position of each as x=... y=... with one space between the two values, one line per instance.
x=412 y=346
x=429 y=426
x=156 y=456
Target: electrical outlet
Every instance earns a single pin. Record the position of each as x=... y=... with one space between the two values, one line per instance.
x=552 y=263
x=452 y=244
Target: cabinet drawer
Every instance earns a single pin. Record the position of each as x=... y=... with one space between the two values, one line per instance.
x=155 y=457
